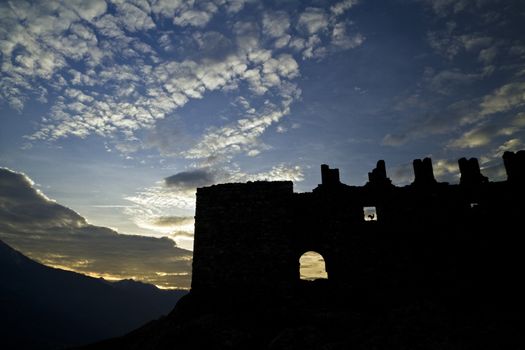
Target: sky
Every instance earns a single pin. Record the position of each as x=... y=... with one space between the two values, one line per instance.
x=113 y=112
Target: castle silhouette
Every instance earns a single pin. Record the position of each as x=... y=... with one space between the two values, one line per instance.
x=434 y=266
x=428 y=238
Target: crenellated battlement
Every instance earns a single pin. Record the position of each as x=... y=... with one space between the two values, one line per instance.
x=249 y=237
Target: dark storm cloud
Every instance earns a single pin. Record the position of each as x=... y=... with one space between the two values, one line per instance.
x=58 y=236
x=172 y=220
x=23 y=205
x=190 y=179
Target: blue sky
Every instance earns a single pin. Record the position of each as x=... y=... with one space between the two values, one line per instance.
x=102 y=101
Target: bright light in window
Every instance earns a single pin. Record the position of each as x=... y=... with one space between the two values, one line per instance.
x=312 y=266
x=370 y=213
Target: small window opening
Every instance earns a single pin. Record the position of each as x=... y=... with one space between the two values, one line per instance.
x=473 y=204
x=312 y=266
x=370 y=213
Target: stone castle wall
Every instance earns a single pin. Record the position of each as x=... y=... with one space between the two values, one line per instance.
x=249 y=237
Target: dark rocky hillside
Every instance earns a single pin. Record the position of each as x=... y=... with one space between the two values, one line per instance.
x=320 y=318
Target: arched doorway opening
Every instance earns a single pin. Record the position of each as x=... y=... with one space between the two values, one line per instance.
x=312 y=266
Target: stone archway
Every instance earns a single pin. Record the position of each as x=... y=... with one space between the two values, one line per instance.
x=312 y=266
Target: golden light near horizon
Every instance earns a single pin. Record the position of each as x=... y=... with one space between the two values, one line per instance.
x=312 y=266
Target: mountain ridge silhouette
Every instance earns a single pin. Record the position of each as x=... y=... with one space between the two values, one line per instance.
x=49 y=308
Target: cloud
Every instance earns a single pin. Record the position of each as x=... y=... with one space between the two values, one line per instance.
x=242 y=135
x=213 y=45
x=394 y=139
x=428 y=117
x=451 y=44
x=275 y=24
x=322 y=32
x=87 y=10
x=341 y=39
x=58 y=27
x=184 y=239
x=505 y=98
x=488 y=55
x=445 y=43
x=193 y=13
x=512 y=145
x=190 y=179
x=133 y=18
x=233 y=6
x=445 y=8
x=25 y=207
x=402 y=174
x=193 y=17
x=491 y=10
x=486 y=133
x=182 y=235
x=162 y=200
x=115 y=79
x=58 y=236
x=476 y=137
x=502 y=100
x=446 y=170
x=313 y=20
x=279 y=172
x=173 y=221
x=178 y=228
x=281 y=129
x=472 y=99
x=341 y=7
x=519 y=120
x=169 y=136
x=494 y=169
x=179 y=82
x=447 y=81
x=315 y=46
x=166 y=8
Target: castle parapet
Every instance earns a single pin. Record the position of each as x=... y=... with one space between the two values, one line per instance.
x=470 y=172
x=329 y=177
x=515 y=166
x=378 y=176
x=423 y=172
